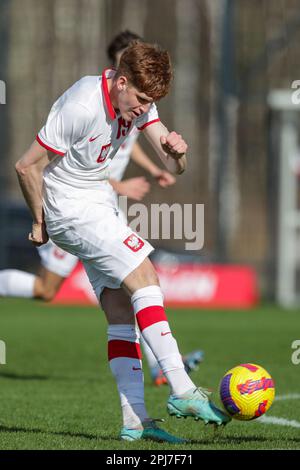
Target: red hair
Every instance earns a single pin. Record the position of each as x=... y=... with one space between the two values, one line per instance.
x=148 y=68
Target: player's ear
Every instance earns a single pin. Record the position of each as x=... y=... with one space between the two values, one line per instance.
x=122 y=83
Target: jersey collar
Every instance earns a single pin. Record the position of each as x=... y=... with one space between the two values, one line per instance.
x=108 y=103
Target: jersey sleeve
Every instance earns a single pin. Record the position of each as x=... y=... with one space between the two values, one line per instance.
x=148 y=118
x=65 y=126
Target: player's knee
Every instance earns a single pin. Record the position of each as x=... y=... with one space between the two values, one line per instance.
x=48 y=295
x=43 y=292
x=152 y=278
x=45 y=295
x=143 y=276
x=148 y=275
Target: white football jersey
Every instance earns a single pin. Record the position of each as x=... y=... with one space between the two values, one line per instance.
x=119 y=164
x=84 y=129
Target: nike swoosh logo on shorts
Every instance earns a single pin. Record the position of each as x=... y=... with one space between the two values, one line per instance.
x=136 y=368
x=164 y=334
x=91 y=139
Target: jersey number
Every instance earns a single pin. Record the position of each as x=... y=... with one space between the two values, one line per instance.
x=123 y=127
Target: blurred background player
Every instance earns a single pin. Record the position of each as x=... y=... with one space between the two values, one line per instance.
x=57 y=264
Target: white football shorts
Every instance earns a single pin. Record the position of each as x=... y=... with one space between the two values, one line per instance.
x=56 y=260
x=98 y=236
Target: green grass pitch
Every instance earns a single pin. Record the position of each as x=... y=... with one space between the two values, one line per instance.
x=57 y=392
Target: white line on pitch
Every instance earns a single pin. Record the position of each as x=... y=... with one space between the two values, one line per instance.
x=289 y=396
x=279 y=421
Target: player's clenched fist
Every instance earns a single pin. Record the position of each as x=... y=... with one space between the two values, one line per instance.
x=38 y=235
x=174 y=145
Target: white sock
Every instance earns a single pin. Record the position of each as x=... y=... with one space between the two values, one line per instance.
x=150 y=315
x=151 y=359
x=125 y=362
x=14 y=283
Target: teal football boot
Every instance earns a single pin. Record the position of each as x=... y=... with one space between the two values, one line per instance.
x=195 y=403
x=150 y=432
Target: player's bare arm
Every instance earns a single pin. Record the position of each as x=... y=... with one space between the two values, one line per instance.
x=170 y=147
x=133 y=188
x=30 y=174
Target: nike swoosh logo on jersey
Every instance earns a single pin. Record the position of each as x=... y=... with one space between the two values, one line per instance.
x=164 y=334
x=136 y=368
x=91 y=139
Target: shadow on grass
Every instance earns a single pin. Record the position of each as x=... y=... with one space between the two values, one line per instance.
x=14 y=376
x=40 y=377
x=90 y=437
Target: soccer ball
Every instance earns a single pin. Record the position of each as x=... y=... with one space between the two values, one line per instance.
x=247 y=391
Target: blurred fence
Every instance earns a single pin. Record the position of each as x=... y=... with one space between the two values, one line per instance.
x=227 y=56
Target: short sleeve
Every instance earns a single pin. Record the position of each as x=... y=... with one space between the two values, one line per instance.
x=148 y=118
x=65 y=126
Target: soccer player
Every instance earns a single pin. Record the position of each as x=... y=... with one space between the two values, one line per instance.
x=72 y=202
x=57 y=264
